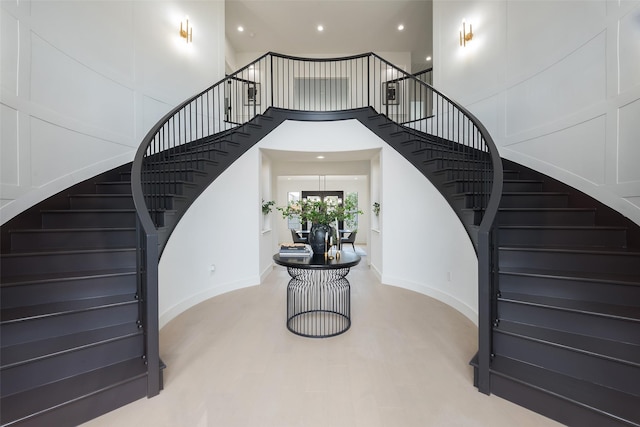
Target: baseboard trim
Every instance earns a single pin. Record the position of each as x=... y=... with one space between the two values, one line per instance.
x=464 y=309
x=193 y=300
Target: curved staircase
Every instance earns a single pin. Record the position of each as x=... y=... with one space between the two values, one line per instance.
x=562 y=329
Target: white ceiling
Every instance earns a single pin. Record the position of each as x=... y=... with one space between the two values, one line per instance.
x=350 y=27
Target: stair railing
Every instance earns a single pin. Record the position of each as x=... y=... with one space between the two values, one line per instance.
x=175 y=144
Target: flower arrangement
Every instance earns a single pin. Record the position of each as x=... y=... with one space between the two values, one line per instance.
x=319 y=211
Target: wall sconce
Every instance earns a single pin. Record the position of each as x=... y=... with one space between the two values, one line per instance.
x=464 y=36
x=186 y=33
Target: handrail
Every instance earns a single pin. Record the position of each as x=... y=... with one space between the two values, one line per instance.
x=194 y=127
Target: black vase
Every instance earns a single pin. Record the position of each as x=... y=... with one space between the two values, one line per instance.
x=317 y=238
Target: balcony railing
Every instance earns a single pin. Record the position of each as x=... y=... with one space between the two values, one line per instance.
x=305 y=84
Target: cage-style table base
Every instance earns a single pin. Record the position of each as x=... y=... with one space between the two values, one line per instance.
x=318 y=302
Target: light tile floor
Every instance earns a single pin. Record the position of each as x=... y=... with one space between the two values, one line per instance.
x=404 y=362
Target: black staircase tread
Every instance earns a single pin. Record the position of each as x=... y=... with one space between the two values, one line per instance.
x=119 y=183
x=204 y=147
x=471 y=179
x=28 y=352
x=576 y=250
x=187 y=168
x=588 y=307
x=86 y=210
x=164 y=162
x=103 y=195
x=98 y=211
x=37 y=400
x=562 y=227
x=610 y=277
x=71 y=230
x=536 y=209
x=580 y=392
x=515 y=193
x=32 y=279
x=461 y=160
x=71 y=251
x=619 y=351
x=63 y=307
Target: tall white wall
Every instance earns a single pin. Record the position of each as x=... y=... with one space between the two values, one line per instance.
x=425 y=246
x=556 y=82
x=81 y=83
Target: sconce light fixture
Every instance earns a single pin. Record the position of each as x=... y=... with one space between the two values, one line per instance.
x=187 y=32
x=464 y=36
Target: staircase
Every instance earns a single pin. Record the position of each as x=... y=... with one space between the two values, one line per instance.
x=73 y=336
x=72 y=343
x=563 y=308
x=566 y=324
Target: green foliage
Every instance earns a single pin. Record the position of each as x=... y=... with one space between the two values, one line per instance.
x=321 y=212
x=376 y=208
x=266 y=206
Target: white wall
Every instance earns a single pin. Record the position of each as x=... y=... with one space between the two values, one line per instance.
x=557 y=83
x=425 y=246
x=222 y=229
x=83 y=81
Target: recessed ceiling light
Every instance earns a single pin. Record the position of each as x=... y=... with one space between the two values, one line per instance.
x=240 y=28
x=400 y=27
x=320 y=28
x=320 y=157
x=428 y=58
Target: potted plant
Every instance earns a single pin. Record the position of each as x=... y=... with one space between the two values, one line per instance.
x=322 y=215
x=376 y=208
x=266 y=206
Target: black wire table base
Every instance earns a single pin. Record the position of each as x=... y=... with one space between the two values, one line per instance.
x=318 y=302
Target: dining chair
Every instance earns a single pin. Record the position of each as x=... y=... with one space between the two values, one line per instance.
x=296 y=237
x=349 y=239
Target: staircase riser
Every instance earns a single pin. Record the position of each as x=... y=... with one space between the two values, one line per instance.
x=570 y=321
x=434 y=165
x=515 y=201
x=563 y=237
x=92 y=406
x=67 y=290
x=171 y=175
x=29 y=264
x=151 y=164
x=178 y=188
x=546 y=218
x=214 y=151
x=19 y=332
x=521 y=186
x=45 y=240
x=606 y=372
x=432 y=152
x=213 y=155
x=452 y=175
x=57 y=367
x=105 y=219
x=561 y=261
x=549 y=405
x=471 y=186
x=101 y=202
x=580 y=290
x=113 y=188
x=537 y=200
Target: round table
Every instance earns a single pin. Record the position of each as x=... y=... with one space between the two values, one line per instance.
x=318 y=294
